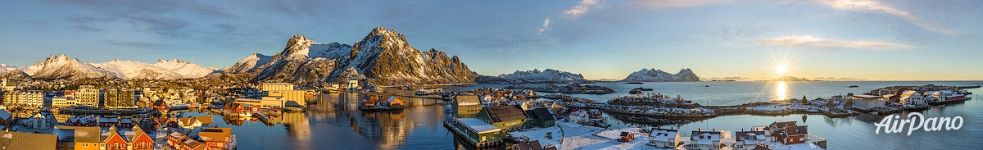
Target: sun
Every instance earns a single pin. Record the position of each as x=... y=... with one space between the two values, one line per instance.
x=781 y=69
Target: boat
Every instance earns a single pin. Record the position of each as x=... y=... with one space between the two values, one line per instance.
x=706 y=85
x=245 y=114
x=969 y=87
x=854 y=86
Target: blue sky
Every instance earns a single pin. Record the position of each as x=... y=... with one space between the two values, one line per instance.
x=602 y=39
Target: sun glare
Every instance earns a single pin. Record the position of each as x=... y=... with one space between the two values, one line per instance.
x=781 y=69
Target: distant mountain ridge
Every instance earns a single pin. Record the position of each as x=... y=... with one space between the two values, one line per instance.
x=66 y=67
x=655 y=75
x=534 y=76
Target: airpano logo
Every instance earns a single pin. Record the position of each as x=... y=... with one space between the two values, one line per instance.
x=917 y=121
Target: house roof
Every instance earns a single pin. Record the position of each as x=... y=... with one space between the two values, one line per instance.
x=23 y=140
x=80 y=134
x=476 y=124
x=796 y=130
x=782 y=124
x=506 y=113
x=113 y=132
x=541 y=114
x=215 y=134
x=468 y=100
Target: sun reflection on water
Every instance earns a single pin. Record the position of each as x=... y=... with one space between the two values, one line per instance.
x=780 y=91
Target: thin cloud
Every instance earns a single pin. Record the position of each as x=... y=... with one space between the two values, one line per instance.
x=877 y=6
x=809 y=41
x=545 y=26
x=583 y=7
x=678 y=3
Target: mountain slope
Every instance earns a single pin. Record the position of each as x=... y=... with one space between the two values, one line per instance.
x=544 y=76
x=163 y=69
x=386 y=58
x=301 y=61
x=12 y=72
x=653 y=75
x=65 y=67
x=248 y=64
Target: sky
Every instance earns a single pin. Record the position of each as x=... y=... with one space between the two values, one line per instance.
x=601 y=39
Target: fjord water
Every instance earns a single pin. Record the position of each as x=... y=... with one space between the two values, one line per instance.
x=336 y=123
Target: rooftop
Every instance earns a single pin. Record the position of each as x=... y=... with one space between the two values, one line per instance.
x=477 y=125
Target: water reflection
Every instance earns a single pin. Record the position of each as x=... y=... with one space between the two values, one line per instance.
x=334 y=119
x=780 y=91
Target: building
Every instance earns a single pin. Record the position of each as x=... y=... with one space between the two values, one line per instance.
x=541 y=117
x=284 y=91
x=665 y=138
x=31 y=99
x=749 y=140
x=266 y=102
x=78 y=137
x=140 y=140
x=505 y=117
x=709 y=140
x=217 y=138
x=467 y=106
x=7 y=85
x=87 y=95
x=477 y=131
x=867 y=102
x=911 y=98
x=113 y=140
x=787 y=132
x=119 y=99
x=63 y=101
x=24 y=140
x=176 y=139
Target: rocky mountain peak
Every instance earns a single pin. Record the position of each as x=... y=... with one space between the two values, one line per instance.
x=298 y=47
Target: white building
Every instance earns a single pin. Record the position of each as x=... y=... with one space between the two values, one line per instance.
x=748 y=140
x=867 y=102
x=911 y=98
x=664 y=138
x=709 y=140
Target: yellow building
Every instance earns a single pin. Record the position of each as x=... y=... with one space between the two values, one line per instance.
x=8 y=85
x=467 y=106
x=284 y=91
x=87 y=95
x=505 y=117
x=119 y=98
x=63 y=101
x=82 y=138
x=23 y=98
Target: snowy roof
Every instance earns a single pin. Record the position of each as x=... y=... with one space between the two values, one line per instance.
x=660 y=134
x=476 y=124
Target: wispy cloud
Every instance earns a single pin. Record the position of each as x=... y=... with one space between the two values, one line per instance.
x=545 y=26
x=809 y=41
x=678 y=3
x=582 y=8
x=872 y=5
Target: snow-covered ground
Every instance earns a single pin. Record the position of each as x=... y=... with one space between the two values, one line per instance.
x=540 y=134
x=584 y=137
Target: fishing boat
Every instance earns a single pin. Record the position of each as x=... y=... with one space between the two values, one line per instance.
x=854 y=86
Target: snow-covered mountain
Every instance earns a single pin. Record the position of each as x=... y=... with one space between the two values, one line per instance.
x=65 y=67
x=654 y=75
x=301 y=61
x=384 y=57
x=11 y=72
x=249 y=63
x=544 y=76
x=163 y=69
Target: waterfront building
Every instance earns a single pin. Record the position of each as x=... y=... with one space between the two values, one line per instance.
x=787 y=132
x=477 y=131
x=6 y=118
x=194 y=122
x=119 y=99
x=217 y=138
x=176 y=139
x=505 y=117
x=113 y=140
x=911 y=98
x=87 y=95
x=467 y=106
x=39 y=121
x=24 y=140
x=541 y=117
x=140 y=140
x=867 y=102
x=62 y=101
x=266 y=102
x=285 y=91
x=665 y=138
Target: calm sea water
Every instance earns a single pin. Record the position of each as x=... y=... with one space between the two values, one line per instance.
x=336 y=123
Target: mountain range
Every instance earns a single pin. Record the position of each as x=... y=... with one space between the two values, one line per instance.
x=654 y=75
x=533 y=76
